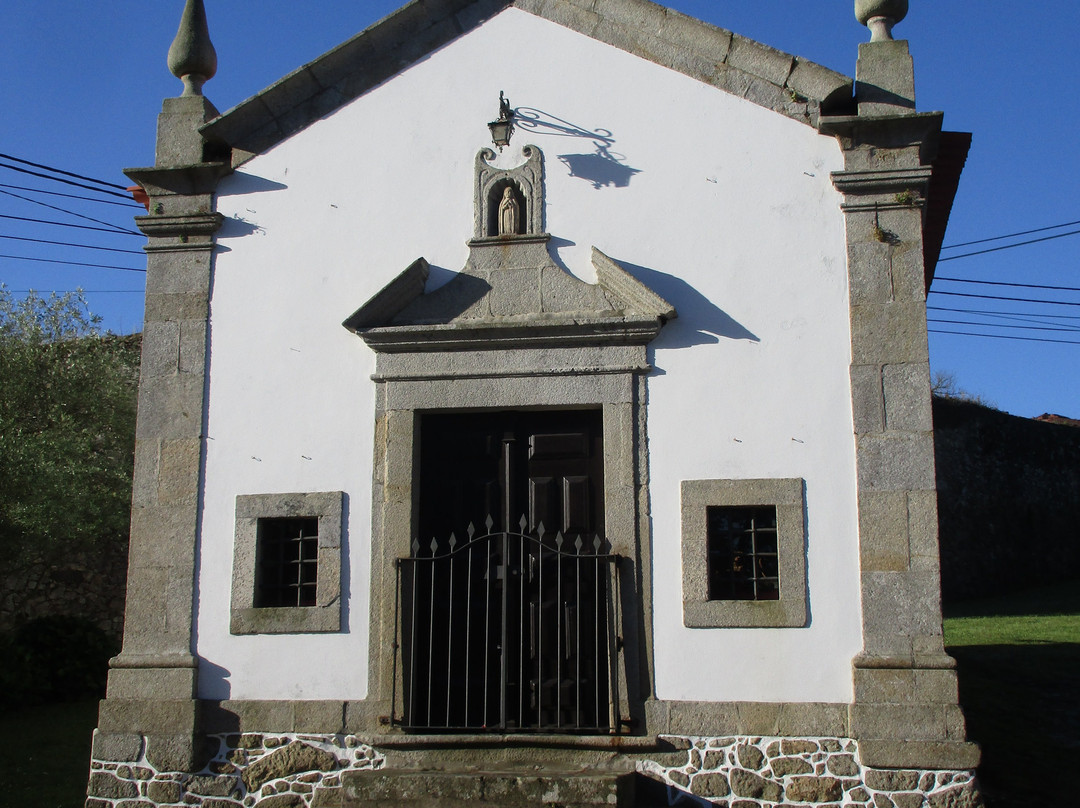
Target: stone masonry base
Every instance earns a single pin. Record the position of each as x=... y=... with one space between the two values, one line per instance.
x=296 y=770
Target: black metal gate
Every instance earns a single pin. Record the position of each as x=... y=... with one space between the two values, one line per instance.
x=508 y=632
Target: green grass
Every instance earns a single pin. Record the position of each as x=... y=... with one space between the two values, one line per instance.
x=45 y=752
x=1019 y=669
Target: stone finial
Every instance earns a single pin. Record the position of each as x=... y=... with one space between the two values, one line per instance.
x=192 y=57
x=880 y=16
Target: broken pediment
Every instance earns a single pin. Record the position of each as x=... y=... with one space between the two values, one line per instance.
x=510 y=293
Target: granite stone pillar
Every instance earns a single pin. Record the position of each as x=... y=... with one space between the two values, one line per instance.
x=906 y=710
x=151 y=705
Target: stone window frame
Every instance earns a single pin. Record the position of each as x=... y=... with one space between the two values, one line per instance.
x=788 y=495
x=325 y=616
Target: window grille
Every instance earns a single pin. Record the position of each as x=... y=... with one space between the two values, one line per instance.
x=743 y=557
x=287 y=566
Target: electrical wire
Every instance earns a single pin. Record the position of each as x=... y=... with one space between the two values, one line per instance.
x=997 y=297
x=1006 y=283
x=1010 y=235
x=81 y=246
x=116 y=227
x=1002 y=325
x=1011 y=313
x=1006 y=336
x=70 y=263
x=1009 y=246
x=129 y=204
x=111 y=229
x=61 y=171
x=1031 y=319
x=77 y=291
x=66 y=182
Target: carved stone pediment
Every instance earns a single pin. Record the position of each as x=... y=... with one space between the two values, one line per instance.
x=510 y=293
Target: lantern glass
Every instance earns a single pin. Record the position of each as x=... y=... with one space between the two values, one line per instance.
x=500 y=132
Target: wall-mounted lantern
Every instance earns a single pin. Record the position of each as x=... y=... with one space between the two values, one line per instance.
x=503 y=128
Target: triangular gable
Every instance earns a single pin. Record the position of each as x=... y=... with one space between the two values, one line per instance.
x=770 y=78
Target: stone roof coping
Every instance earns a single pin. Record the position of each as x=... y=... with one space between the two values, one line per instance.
x=790 y=85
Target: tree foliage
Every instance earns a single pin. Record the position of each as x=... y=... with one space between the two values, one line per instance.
x=943 y=384
x=67 y=428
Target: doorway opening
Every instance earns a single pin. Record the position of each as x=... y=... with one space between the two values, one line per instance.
x=507 y=600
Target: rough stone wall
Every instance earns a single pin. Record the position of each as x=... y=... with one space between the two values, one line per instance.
x=287 y=770
x=761 y=772
x=279 y=770
x=89 y=585
x=1008 y=500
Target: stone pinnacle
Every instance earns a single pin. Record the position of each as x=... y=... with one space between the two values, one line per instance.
x=880 y=16
x=192 y=57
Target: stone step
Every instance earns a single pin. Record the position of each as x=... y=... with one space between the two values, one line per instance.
x=401 y=788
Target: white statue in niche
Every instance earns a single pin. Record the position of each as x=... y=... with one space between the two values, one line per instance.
x=509 y=214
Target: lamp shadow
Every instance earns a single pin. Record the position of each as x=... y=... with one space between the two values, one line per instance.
x=599 y=168
x=602 y=168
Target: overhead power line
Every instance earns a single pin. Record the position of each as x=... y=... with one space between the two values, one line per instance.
x=1028 y=319
x=65 y=211
x=110 y=229
x=69 y=263
x=1006 y=283
x=61 y=171
x=999 y=297
x=66 y=182
x=80 y=246
x=130 y=204
x=76 y=291
x=1010 y=235
x=1009 y=313
x=1006 y=336
x=1009 y=246
x=1004 y=325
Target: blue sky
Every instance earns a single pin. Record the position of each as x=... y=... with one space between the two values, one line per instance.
x=84 y=82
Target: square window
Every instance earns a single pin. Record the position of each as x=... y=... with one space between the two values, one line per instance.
x=744 y=553
x=287 y=563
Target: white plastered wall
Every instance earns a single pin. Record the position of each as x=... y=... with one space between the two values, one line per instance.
x=730 y=214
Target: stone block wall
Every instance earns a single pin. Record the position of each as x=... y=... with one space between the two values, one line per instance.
x=1008 y=499
x=90 y=585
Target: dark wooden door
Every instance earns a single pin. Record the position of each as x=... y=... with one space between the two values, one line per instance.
x=507 y=621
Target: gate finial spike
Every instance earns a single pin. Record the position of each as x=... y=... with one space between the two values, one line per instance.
x=192 y=57
x=523 y=522
x=540 y=529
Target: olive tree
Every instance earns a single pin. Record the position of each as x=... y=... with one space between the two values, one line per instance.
x=67 y=429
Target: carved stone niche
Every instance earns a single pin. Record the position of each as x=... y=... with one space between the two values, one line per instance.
x=526 y=185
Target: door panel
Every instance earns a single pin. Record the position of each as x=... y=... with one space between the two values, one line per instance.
x=505 y=609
